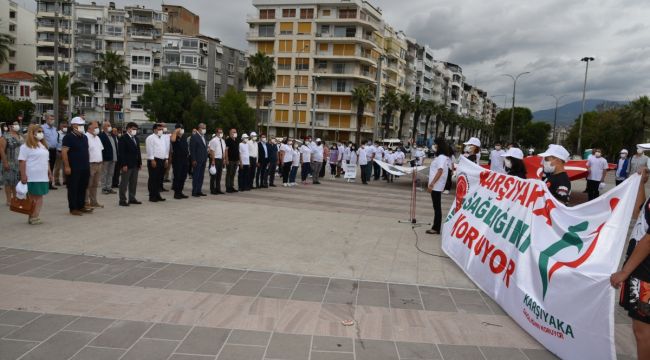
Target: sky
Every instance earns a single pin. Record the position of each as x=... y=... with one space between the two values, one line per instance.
x=489 y=38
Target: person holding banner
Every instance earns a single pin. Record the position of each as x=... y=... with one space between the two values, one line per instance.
x=558 y=180
x=635 y=274
x=514 y=163
x=363 y=163
x=351 y=163
x=473 y=149
x=437 y=179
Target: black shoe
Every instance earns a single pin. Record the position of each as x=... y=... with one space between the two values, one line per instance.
x=135 y=202
x=220 y=193
x=124 y=203
x=153 y=200
x=229 y=191
x=163 y=189
x=202 y=194
x=234 y=190
x=196 y=195
x=161 y=199
x=213 y=193
x=113 y=186
x=178 y=196
x=317 y=183
x=272 y=185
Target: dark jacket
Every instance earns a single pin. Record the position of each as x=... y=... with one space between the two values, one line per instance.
x=128 y=153
x=273 y=153
x=107 y=153
x=198 y=148
x=261 y=154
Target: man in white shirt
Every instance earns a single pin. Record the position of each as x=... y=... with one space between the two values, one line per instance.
x=437 y=180
x=244 y=164
x=399 y=157
x=363 y=163
x=95 y=149
x=496 y=160
x=156 y=162
x=419 y=156
x=216 y=151
x=305 y=160
x=339 y=160
x=166 y=137
x=316 y=160
x=596 y=171
x=253 y=155
x=379 y=155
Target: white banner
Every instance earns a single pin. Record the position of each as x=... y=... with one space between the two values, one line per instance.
x=545 y=264
x=398 y=170
x=350 y=171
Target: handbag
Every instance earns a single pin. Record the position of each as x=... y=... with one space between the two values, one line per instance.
x=22 y=206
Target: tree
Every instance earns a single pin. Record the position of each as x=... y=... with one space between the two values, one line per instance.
x=639 y=109
x=536 y=135
x=5 y=41
x=361 y=95
x=233 y=112
x=200 y=112
x=111 y=68
x=405 y=105
x=45 y=87
x=25 y=108
x=523 y=116
x=431 y=109
x=390 y=102
x=7 y=111
x=440 y=111
x=259 y=74
x=418 y=107
x=170 y=98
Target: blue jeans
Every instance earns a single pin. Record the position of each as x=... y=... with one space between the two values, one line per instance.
x=306 y=169
x=292 y=174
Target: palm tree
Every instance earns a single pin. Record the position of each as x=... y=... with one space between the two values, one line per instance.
x=390 y=103
x=45 y=87
x=440 y=112
x=5 y=41
x=111 y=68
x=431 y=108
x=260 y=73
x=405 y=105
x=361 y=95
x=419 y=105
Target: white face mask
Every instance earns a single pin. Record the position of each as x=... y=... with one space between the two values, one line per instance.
x=15 y=128
x=203 y=131
x=497 y=148
x=234 y=136
x=254 y=138
x=39 y=136
x=244 y=140
x=109 y=129
x=64 y=130
x=264 y=140
x=96 y=131
x=639 y=151
x=159 y=133
x=623 y=156
x=468 y=149
x=597 y=154
x=181 y=132
x=548 y=168
x=165 y=130
x=133 y=132
x=80 y=129
x=508 y=163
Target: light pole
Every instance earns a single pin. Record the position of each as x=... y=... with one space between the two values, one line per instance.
x=313 y=105
x=514 y=90
x=55 y=82
x=582 y=113
x=505 y=99
x=557 y=102
x=268 y=120
x=377 y=97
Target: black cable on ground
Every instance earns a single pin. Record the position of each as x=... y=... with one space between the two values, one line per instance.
x=417 y=245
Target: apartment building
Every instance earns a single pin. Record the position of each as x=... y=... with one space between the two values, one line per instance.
x=181 y=21
x=18 y=23
x=321 y=52
x=17 y=85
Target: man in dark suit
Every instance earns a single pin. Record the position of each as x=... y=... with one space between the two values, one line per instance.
x=199 y=154
x=262 y=163
x=109 y=157
x=272 y=161
x=129 y=160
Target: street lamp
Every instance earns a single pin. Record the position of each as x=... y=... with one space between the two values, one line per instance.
x=378 y=97
x=557 y=101
x=514 y=90
x=582 y=113
x=268 y=119
x=313 y=105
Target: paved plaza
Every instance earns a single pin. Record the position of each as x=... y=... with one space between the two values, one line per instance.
x=266 y=274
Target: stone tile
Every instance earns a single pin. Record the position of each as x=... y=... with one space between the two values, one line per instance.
x=106 y=260
x=191 y=357
x=247 y=337
x=23 y=267
x=470 y=301
x=131 y=277
x=90 y=324
x=214 y=287
x=288 y=347
x=228 y=276
x=283 y=281
x=76 y=271
x=67 y=262
x=13 y=349
x=39 y=273
x=191 y=280
x=314 y=280
x=276 y=293
x=96 y=277
x=375 y=350
x=153 y=283
x=309 y=292
x=258 y=275
x=17 y=318
x=372 y=285
x=171 y=272
x=539 y=354
x=343 y=285
x=411 y=351
x=6 y=329
x=373 y=297
x=405 y=297
x=315 y=355
x=246 y=287
x=203 y=341
x=41 y=328
x=95 y=353
x=241 y=352
x=153 y=265
x=60 y=346
x=501 y=353
x=496 y=308
x=331 y=343
x=167 y=332
x=121 y=334
x=53 y=256
x=151 y=349
x=460 y=352
x=437 y=299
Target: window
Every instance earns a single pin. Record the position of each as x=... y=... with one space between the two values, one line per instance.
x=350 y=32
x=301 y=116
x=136 y=105
x=12 y=67
x=140 y=75
x=300 y=99
x=267 y=30
x=189 y=60
x=282 y=98
x=112 y=30
x=320 y=64
x=340 y=85
x=347 y=13
x=304 y=28
x=302 y=64
x=140 y=60
x=286 y=46
x=306 y=13
x=231 y=68
x=327 y=12
x=283 y=81
x=303 y=46
x=286 y=28
x=117 y=18
x=339 y=68
x=267 y=14
x=288 y=13
x=284 y=63
x=282 y=116
x=12 y=27
x=323 y=47
x=190 y=43
x=137 y=88
x=302 y=81
x=9 y=90
x=12 y=14
x=265 y=47
x=24 y=91
x=325 y=29
x=344 y=49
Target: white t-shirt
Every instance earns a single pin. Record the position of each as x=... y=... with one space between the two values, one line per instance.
x=596 y=165
x=389 y=158
x=95 y=148
x=346 y=154
x=352 y=156
x=305 y=151
x=296 y=157
x=399 y=158
x=37 y=162
x=497 y=161
x=379 y=153
x=243 y=154
x=252 y=149
x=363 y=156
x=317 y=153
x=419 y=157
x=440 y=162
x=288 y=153
x=218 y=146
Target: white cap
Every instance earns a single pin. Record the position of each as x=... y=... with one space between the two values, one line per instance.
x=514 y=152
x=624 y=151
x=253 y=134
x=473 y=141
x=77 y=121
x=643 y=146
x=245 y=136
x=557 y=151
x=318 y=139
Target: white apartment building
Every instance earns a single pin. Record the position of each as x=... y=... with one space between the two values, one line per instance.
x=18 y=23
x=189 y=54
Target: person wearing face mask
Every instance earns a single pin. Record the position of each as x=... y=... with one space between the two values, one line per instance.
x=199 y=154
x=326 y=156
x=558 y=180
x=496 y=160
x=35 y=170
x=333 y=158
x=168 y=144
x=129 y=160
x=622 y=167
x=232 y=160
x=273 y=162
x=437 y=180
x=51 y=137
x=352 y=162
x=339 y=160
x=285 y=160
x=252 y=154
x=58 y=163
x=316 y=161
x=109 y=157
x=244 y=164
x=180 y=161
x=305 y=160
x=115 y=183
x=514 y=163
x=363 y=163
x=638 y=161
x=76 y=166
x=262 y=163
x=10 y=144
x=95 y=149
x=295 y=164
x=473 y=150
x=156 y=154
x=216 y=151
x=596 y=171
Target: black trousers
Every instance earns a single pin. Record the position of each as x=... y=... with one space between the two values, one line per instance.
x=286 y=168
x=243 y=178
x=198 y=173
x=448 y=183
x=260 y=175
x=252 y=172
x=129 y=181
x=273 y=165
x=155 y=177
x=116 y=176
x=592 y=189
x=436 y=199
x=376 y=170
x=52 y=152
x=321 y=173
x=180 y=167
x=231 y=170
x=77 y=183
x=364 y=173
x=618 y=182
x=215 y=180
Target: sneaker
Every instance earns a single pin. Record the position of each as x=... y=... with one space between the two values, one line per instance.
x=34 y=221
x=285 y=184
x=446 y=192
x=293 y=184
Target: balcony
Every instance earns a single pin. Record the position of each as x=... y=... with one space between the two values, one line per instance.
x=251 y=19
x=362 y=20
x=143 y=34
x=255 y=35
x=137 y=19
x=358 y=54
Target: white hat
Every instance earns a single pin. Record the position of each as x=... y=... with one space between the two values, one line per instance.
x=253 y=134
x=245 y=136
x=514 y=152
x=473 y=141
x=557 y=151
x=318 y=139
x=624 y=151
x=77 y=121
x=643 y=146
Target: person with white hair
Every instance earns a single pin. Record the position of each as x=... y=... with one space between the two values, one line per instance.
x=622 y=167
x=244 y=164
x=557 y=180
x=473 y=149
x=253 y=152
